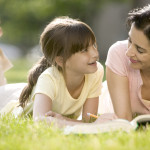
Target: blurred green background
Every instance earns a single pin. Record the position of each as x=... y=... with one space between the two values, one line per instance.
x=23 y=21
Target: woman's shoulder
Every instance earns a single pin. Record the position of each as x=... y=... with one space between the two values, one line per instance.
x=117 y=51
x=117 y=60
x=119 y=46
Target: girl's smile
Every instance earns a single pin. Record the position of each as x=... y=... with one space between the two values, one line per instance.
x=93 y=64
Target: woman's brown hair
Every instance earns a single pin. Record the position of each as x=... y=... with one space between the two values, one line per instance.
x=63 y=37
x=141 y=19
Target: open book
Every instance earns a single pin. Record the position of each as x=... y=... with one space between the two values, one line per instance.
x=118 y=124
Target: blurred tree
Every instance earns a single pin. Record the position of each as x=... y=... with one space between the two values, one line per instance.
x=23 y=20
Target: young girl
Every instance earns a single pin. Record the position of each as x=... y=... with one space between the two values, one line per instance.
x=67 y=79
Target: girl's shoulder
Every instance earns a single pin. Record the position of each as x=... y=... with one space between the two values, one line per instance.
x=52 y=72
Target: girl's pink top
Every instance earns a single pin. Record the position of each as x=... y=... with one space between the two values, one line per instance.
x=118 y=62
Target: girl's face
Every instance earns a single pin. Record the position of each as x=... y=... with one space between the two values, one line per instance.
x=83 y=62
x=138 y=49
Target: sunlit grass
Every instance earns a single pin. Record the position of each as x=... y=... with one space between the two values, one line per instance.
x=18 y=73
x=24 y=134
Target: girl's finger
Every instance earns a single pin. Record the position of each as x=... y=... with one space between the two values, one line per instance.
x=50 y=113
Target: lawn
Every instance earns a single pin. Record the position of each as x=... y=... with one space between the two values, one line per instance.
x=18 y=73
x=24 y=134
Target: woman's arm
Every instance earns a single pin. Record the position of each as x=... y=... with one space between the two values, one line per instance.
x=119 y=92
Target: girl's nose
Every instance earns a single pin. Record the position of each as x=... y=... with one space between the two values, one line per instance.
x=94 y=52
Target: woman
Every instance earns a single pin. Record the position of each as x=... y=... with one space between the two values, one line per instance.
x=128 y=67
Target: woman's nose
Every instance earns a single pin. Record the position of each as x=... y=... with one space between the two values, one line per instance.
x=130 y=50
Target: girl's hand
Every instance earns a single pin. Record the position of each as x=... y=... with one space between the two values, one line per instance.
x=106 y=117
x=55 y=115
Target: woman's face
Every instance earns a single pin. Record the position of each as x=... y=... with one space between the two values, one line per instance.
x=138 y=49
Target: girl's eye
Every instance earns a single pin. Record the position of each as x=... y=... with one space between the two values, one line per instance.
x=94 y=45
x=84 y=50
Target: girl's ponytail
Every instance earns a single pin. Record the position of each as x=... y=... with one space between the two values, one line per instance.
x=34 y=73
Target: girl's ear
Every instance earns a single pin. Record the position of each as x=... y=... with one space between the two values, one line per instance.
x=59 y=61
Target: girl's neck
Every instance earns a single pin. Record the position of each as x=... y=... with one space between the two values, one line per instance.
x=75 y=85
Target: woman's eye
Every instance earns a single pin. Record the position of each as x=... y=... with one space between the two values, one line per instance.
x=139 y=50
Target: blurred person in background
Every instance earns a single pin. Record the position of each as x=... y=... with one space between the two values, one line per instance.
x=8 y=92
x=5 y=64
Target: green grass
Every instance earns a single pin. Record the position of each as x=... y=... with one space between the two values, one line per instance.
x=24 y=134
x=18 y=73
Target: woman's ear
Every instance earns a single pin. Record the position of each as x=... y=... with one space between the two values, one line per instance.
x=59 y=61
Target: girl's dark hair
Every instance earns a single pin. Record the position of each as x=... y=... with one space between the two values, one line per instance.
x=63 y=37
x=141 y=19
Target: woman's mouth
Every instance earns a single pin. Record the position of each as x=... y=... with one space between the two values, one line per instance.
x=133 y=61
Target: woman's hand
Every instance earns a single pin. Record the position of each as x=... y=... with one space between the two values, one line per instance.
x=106 y=117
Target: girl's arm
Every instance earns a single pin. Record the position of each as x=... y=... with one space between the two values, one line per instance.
x=42 y=106
x=90 y=106
x=119 y=92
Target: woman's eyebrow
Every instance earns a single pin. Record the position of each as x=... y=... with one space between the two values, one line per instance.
x=136 y=44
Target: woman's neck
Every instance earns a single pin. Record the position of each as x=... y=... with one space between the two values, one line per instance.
x=146 y=85
x=145 y=74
